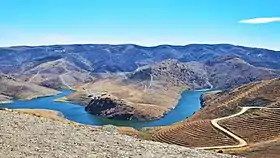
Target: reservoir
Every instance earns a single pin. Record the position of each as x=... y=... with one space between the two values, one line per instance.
x=187 y=105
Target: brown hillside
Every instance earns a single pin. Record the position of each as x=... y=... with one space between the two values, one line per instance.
x=259 y=128
x=13 y=88
x=228 y=102
x=193 y=134
x=255 y=125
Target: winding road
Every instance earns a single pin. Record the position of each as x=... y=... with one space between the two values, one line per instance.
x=241 y=141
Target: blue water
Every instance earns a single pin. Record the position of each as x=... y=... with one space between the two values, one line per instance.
x=188 y=104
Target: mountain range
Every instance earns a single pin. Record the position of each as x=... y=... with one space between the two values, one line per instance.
x=152 y=73
x=125 y=58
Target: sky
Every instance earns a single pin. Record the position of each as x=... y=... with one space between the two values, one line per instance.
x=254 y=23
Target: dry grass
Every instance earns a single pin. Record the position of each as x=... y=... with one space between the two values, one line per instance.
x=51 y=114
x=128 y=131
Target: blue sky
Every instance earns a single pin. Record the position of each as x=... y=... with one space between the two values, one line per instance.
x=147 y=22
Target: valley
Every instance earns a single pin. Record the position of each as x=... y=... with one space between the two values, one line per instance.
x=178 y=93
x=136 y=83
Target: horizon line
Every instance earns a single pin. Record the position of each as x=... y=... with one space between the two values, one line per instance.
x=148 y=46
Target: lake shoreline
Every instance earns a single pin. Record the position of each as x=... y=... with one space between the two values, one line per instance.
x=187 y=104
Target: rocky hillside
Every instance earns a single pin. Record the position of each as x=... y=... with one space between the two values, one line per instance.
x=57 y=74
x=173 y=72
x=29 y=136
x=228 y=71
x=221 y=72
x=12 y=88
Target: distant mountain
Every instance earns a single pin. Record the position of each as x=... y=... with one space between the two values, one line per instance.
x=122 y=58
x=221 y=65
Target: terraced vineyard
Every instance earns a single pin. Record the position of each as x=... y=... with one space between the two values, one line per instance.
x=252 y=88
x=229 y=102
x=193 y=134
x=249 y=115
x=256 y=125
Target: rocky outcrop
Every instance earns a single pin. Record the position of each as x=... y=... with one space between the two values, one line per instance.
x=111 y=108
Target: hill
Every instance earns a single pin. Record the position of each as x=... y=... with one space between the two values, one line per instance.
x=172 y=72
x=227 y=71
x=119 y=99
x=30 y=136
x=57 y=74
x=262 y=93
x=248 y=114
x=12 y=88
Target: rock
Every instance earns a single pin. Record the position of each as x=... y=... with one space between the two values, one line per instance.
x=111 y=108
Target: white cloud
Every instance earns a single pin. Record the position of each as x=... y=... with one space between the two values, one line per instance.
x=261 y=20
